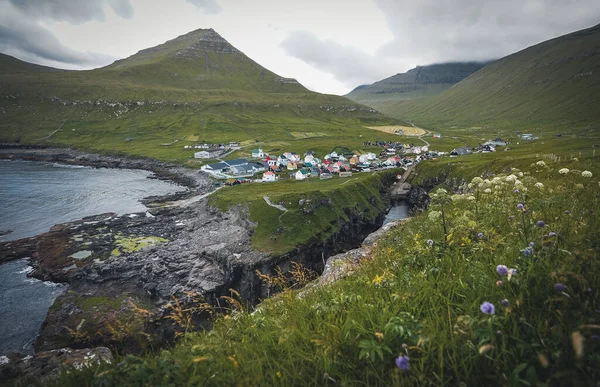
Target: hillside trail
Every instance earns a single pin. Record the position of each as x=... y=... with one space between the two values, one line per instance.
x=427 y=133
x=279 y=207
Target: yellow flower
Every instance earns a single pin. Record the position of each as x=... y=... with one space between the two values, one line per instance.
x=278 y=374
x=377 y=280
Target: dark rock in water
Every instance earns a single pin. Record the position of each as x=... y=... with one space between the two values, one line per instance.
x=46 y=365
x=5 y=232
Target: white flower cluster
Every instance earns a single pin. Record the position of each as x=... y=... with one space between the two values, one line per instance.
x=586 y=174
x=540 y=163
x=563 y=171
x=434 y=215
x=538 y=185
x=510 y=178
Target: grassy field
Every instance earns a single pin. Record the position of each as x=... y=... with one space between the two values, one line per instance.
x=315 y=208
x=406 y=130
x=495 y=286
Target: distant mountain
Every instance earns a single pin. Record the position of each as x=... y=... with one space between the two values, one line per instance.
x=422 y=81
x=554 y=84
x=194 y=87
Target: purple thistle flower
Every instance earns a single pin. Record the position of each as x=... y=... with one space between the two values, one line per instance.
x=520 y=206
x=552 y=234
x=429 y=242
x=531 y=244
x=487 y=308
x=559 y=287
x=540 y=223
x=480 y=235
x=516 y=192
x=504 y=302
x=502 y=270
x=402 y=362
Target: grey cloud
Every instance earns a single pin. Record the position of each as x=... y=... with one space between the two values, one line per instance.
x=30 y=42
x=346 y=63
x=74 y=12
x=431 y=31
x=210 y=7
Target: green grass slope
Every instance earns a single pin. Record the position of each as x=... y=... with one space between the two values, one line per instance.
x=423 y=293
x=195 y=87
x=552 y=85
x=420 y=82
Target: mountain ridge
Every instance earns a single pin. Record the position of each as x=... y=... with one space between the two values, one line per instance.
x=196 y=86
x=553 y=84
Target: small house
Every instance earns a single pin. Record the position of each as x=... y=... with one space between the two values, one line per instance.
x=437 y=135
x=301 y=174
x=460 y=151
x=202 y=155
x=268 y=177
x=292 y=166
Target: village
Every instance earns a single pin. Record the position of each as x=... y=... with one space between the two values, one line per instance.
x=342 y=162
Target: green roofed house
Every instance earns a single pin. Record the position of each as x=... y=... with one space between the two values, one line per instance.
x=301 y=174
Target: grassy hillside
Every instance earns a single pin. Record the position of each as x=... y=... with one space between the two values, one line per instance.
x=552 y=85
x=195 y=87
x=420 y=82
x=495 y=286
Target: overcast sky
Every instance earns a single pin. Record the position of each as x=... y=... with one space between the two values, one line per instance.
x=330 y=46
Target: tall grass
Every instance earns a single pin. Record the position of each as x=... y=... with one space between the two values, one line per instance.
x=525 y=242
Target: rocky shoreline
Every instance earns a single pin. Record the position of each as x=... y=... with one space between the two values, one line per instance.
x=124 y=271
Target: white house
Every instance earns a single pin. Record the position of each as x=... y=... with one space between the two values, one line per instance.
x=258 y=153
x=268 y=177
x=301 y=174
x=202 y=155
x=309 y=158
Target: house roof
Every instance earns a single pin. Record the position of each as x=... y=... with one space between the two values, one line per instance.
x=268 y=173
x=236 y=162
x=303 y=171
x=218 y=166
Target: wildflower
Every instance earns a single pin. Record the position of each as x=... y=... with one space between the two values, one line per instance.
x=504 y=302
x=520 y=206
x=499 y=283
x=552 y=234
x=487 y=191
x=540 y=223
x=480 y=235
x=502 y=270
x=540 y=164
x=429 y=242
x=499 y=332
x=559 y=287
x=563 y=171
x=487 y=308
x=402 y=362
x=528 y=252
x=477 y=180
x=404 y=346
x=516 y=192
x=579 y=186
x=471 y=197
x=586 y=174
x=538 y=185
x=434 y=215
x=531 y=244
x=512 y=271
x=511 y=178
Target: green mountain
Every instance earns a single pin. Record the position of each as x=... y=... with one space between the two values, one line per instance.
x=422 y=81
x=552 y=85
x=197 y=87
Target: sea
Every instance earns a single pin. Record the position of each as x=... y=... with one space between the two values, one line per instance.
x=34 y=196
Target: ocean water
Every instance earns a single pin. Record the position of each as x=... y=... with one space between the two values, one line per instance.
x=397 y=212
x=24 y=303
x=35 y=196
